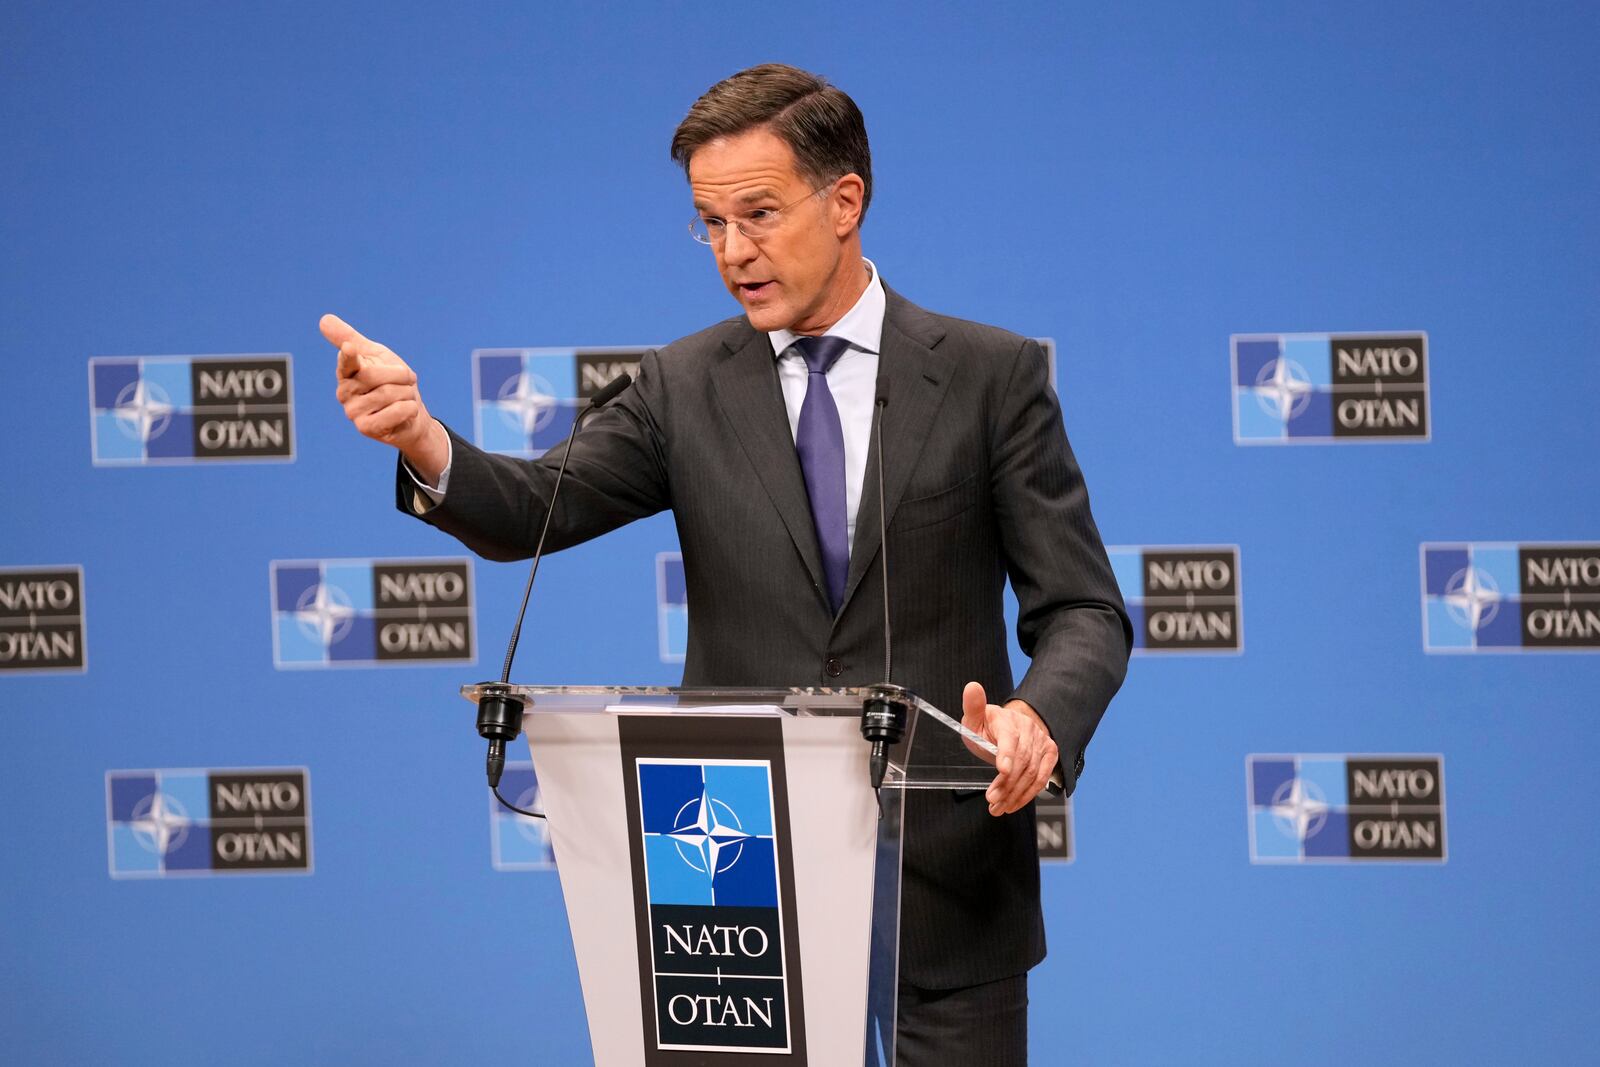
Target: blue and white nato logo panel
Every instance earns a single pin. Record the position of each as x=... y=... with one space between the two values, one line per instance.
x=672 y=607
x=41 y=620
x=1301 y=388
x=203 y=822
x=716 y=926
x=1500 y=597
x=524 y=400
x=147 y=410
x=1345 y=808
x=371 y=612
x=518 y=842
x=1181 y=598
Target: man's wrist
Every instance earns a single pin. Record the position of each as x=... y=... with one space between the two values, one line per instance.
x=430 y=456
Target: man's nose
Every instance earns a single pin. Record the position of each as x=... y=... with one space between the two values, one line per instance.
x=736 y=247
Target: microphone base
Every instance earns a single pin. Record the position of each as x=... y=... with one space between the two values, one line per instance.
x=499 y=721
x=883 y=724
x=499 y=712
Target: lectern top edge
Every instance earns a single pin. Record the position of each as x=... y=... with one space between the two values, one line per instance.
x=796 y=700
x=955 y=767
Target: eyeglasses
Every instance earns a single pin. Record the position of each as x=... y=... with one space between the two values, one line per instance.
x=756 y=225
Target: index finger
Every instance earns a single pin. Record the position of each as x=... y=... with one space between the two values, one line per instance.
x=338 y=331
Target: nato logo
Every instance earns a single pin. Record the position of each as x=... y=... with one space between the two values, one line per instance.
x=1345 y=809
x=1302 y=388
x=150 y=410
x=1496 y=597
x=518 y=842
x=1053 y=828
x=672 y=607
x=1181 y=598
x=524 y=400
x=366 y=612
x=716 y=926
x=41 y=620
x=203 y=822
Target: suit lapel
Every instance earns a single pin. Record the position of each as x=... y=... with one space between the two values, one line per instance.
x=917 y=375
x=746 y=384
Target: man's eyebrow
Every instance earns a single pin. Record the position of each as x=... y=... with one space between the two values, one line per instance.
x=750 y=197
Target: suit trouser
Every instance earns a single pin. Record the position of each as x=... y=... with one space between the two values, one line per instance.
x=975 y=1026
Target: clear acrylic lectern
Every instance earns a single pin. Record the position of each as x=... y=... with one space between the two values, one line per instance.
x=732 y=880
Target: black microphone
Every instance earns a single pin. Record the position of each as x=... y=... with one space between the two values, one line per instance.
x=884 y=712
x=499 y=711
x=608 y=392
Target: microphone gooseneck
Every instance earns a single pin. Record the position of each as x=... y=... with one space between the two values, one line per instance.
x=500 y=710
x=878 y=405
x=884 y=712
x=610 y=392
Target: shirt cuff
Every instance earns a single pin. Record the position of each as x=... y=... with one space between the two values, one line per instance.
x=425 y=497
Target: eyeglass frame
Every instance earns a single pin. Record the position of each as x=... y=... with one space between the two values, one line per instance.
x=712 y=242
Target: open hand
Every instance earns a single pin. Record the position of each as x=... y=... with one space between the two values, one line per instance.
x=1026 y=754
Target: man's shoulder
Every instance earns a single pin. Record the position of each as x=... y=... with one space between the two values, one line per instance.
x=931 y=328
x=730 y=333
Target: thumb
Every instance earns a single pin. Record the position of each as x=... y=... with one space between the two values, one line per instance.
x=338 y=331
x=973 y=706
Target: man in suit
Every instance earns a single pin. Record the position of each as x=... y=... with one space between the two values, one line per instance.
x=756 y=433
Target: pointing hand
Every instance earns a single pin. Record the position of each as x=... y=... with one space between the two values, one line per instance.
x=379 y=393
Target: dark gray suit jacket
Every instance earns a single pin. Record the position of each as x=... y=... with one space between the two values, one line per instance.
x=979 y=484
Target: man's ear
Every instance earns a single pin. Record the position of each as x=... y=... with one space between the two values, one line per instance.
x=846 y=204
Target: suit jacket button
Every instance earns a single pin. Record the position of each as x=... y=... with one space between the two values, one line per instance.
x=833 y=667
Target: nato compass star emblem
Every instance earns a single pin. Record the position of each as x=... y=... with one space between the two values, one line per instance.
x=1472 y=598
x=1283 y=388
x=143 y=410
x=1299 y=808
x=518 y=842
x=708 y=835
x=528 y=402
x=159 y=823
x=324 y=613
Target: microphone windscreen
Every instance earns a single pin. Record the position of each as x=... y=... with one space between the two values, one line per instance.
x=612 y=390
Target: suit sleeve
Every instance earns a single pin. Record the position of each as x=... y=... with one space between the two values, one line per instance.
x=1072 y=623
x=496 y=504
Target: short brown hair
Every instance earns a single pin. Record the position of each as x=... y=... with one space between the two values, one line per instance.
x=820 y=123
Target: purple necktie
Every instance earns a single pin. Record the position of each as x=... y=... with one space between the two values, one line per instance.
x=819 y=438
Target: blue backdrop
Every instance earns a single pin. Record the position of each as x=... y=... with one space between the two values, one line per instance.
x=1139 y=184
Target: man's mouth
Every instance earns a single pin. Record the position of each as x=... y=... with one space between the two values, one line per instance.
x=754 y=289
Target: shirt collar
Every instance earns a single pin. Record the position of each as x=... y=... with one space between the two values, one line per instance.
x=862 y=325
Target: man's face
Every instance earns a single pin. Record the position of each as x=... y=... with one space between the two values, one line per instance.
x=804 y=275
